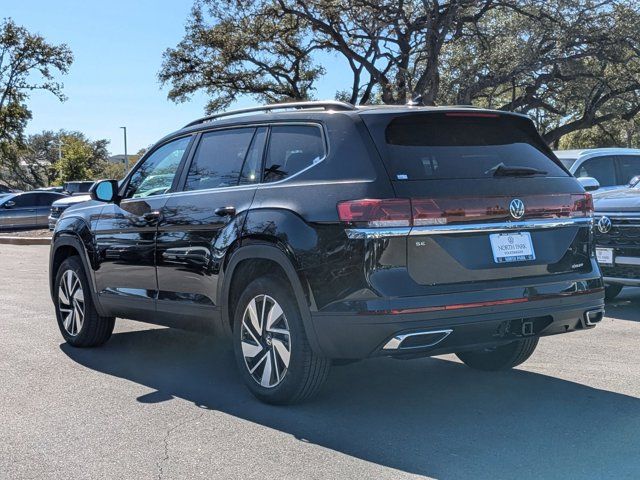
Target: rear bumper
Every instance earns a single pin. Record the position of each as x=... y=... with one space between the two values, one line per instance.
x=455 y=328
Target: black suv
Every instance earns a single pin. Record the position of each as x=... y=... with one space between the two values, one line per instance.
x=319 y=233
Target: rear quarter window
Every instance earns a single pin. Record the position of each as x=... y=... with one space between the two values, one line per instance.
x=453 y=145
x=292 y=148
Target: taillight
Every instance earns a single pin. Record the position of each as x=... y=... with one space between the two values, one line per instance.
x=390 y=212
x=404 y=212
x=582 y=205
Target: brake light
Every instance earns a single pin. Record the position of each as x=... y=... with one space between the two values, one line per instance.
x=390 y=212
x=471 y=114
x=582 y=205
x=404 y=212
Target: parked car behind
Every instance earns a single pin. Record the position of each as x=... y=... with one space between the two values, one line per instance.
x=321 y=232
x=19 y=211
x=611 y=167
x=617 y=233
x=61 y=205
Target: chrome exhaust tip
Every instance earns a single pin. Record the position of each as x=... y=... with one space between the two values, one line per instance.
x=413 y=340
x=593 y=317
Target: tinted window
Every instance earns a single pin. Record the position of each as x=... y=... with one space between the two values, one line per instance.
x=601 y=168
x=292 y=148
x=25 y=200
x=438 y=146
x=629 y=167
x=155 y=176
x=219 y=159
x=46 y=199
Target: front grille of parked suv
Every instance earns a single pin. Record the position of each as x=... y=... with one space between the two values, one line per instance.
x=57 y=211
x=624 y=232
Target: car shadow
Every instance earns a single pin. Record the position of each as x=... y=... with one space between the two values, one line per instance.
x=430 y=416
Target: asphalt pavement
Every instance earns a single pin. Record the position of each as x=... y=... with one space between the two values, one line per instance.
x=163 y=403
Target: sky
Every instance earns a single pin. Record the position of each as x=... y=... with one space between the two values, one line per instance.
x=117 y=47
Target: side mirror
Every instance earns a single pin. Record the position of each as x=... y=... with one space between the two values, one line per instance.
x=105 y=191
x=589 y=183
x=9 y=204
x=634 y=181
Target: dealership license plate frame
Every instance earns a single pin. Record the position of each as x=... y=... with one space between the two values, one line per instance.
x=512 y=247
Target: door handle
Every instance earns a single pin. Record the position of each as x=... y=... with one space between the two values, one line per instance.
x=225 y=211
x=153 y=216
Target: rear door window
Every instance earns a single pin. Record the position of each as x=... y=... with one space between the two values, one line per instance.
x=602 y=169
x=292 y=148
x=459 y=145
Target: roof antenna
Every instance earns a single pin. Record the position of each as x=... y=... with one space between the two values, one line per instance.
x=415 y=102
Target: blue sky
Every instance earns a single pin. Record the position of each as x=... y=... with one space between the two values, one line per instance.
x=118 y=48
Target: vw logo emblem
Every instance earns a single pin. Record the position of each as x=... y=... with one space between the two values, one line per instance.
x=516 y=208
x=604 y=225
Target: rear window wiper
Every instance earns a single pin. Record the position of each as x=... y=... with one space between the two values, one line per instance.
x=502 y=170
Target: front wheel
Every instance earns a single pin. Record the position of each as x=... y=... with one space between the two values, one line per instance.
x=502 y=357
x=271 y=347
x=78 y=319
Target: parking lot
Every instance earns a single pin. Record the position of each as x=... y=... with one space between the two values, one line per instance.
x=161 y=403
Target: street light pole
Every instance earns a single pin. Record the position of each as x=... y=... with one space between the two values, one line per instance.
x=126 y=157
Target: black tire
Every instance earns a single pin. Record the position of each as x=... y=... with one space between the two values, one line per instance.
x=612 y=291
x=503 y=357
x=305 y=373
x=95 y=329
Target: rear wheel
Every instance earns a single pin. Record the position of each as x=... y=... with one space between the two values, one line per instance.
x=78 y=320
x=612 y=291
x=271 y=347
x=502 y=357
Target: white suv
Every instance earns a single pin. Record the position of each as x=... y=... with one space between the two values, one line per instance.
x=612 y=167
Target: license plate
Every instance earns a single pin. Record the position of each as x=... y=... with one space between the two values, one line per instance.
x=605 y=255
x=512 y=247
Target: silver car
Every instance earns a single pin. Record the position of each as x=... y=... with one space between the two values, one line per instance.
x=26 y=210
x=611 y=167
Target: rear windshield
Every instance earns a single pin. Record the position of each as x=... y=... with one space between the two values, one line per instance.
x=454 y=145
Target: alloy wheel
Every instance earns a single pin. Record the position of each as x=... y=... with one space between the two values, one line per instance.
x=71 y=302
x=266 y=341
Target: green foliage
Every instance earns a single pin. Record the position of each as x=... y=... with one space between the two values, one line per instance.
x=27 y=63
x=570 y=64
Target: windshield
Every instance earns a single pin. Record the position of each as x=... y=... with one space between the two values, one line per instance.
x=454 y=145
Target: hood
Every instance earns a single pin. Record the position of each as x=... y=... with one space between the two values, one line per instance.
x=71 y=200
x=619 y=200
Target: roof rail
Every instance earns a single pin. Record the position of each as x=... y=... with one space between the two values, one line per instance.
x=325 y=105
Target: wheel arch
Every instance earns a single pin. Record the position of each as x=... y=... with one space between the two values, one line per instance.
x=70 y=242
x=263 y=258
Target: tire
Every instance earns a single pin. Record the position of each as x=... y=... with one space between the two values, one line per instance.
x=503 y=357
x=78 y=320
x=612 y=291
x=278 y=367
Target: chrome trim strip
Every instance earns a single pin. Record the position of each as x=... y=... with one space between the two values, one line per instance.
x=373 y=233
x=618 y=215
x=627 y=260
x=501 y=226
x=631 y=282
x=396 y=342
x=355 y=233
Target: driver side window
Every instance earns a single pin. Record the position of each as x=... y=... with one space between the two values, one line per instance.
x=155 y=176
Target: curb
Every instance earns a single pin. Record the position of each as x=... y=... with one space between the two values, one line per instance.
x=25 y=240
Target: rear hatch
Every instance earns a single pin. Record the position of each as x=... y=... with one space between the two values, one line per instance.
x=487 y=198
